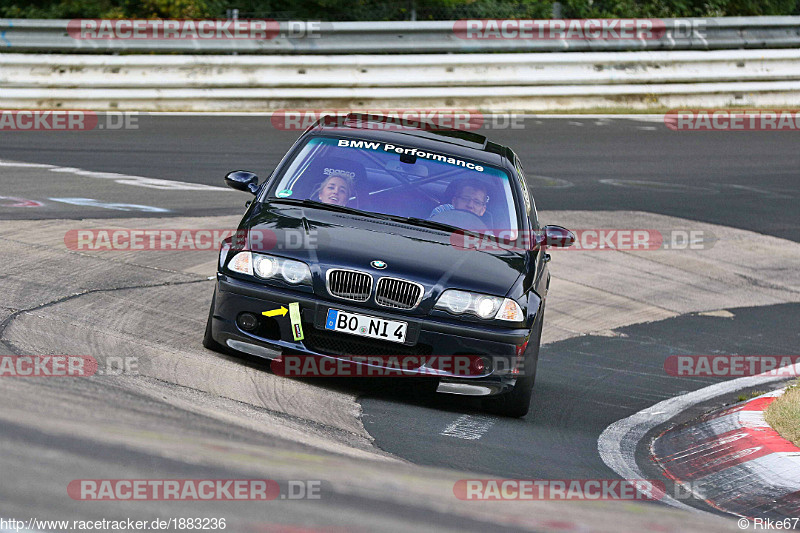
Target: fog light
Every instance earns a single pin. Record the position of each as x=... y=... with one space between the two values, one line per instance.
x=247 y=321
x=482 y=365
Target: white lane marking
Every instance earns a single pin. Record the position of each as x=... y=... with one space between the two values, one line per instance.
x=646 y=128
x=15 y=201
x=720 y=313
x=124 y=179
x=617 y=444
x=546 y=181
x=758 y=190
x=468 y=427
x=24 y=165
x=643 y=118
x=91 y=202
x=658 y=186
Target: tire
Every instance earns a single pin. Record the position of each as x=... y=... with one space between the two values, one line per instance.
x=208 y=340
x=517 y=402
x=514 y=404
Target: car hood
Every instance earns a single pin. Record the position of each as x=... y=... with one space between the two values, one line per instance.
x=327 y=239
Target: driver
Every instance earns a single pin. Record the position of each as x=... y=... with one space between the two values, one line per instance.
x=470 y=195
x=335 y=189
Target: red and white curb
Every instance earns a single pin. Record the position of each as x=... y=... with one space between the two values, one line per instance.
x=734 y=461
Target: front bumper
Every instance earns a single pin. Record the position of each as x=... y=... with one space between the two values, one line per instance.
x=426 y=336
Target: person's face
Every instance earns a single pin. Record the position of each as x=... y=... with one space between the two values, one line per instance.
x=334 y=191
x=472 y=200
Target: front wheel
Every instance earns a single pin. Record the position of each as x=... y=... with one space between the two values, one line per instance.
x=208 y=340
x=517 y=403
x=513 y=404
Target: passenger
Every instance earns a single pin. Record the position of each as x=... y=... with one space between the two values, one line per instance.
x=335 y=189
x=470 y=195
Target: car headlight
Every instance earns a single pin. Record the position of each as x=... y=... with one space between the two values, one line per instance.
x=456 y=302
x=295 y=272
x=264 y=266
x=270 y=267
x=484 y=306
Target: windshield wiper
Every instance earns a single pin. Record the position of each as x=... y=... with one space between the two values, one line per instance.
x=425 y=223
x=412 y=221
x=327 y=207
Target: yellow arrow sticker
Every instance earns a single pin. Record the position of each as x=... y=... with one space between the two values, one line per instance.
x=275 y=312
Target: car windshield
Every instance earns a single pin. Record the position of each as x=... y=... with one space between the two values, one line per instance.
x=402 y=181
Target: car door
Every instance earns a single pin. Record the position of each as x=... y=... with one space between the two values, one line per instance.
x=538 y=258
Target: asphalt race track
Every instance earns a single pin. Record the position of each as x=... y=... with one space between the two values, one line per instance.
x=386 y=456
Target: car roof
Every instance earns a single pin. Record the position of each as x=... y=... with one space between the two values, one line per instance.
x=464 y=143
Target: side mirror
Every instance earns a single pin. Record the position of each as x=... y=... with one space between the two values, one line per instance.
x=556 y=236
x=242 y=180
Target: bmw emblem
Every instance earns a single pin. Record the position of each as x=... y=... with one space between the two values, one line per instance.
x=380 y=265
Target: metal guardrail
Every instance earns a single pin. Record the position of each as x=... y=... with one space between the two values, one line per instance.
x=23 y=35
x=361 y=73
x=487 y=82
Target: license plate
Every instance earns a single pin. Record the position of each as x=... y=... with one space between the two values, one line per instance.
x=366 y=326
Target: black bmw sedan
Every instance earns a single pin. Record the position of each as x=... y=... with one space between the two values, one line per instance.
x=373 y=245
